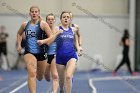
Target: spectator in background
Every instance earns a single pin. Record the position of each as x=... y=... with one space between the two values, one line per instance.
x=3 y=47
x=20 y=54
x=125 y=42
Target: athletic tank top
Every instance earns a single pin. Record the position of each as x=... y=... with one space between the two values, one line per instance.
x=65 y=42
x=32 y=34
x=52 y=49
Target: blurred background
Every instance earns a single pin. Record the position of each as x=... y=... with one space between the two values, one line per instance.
x=101 y=23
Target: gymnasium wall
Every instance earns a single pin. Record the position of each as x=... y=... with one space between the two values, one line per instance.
x=101 y=23
x=100 y=7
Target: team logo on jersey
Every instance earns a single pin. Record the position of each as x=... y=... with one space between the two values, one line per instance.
x=31 y=33
x=66 y=36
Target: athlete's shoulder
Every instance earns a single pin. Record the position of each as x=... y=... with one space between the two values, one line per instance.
x=73 y=29
x=23 y=25
x=56 y=28
x=43 y=24
x=76 y=26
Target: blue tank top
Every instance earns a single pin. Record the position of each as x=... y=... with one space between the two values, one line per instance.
x=32 y=34
x=52 y=49
x=65 y=42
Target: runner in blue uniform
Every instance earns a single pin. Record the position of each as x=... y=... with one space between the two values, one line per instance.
x=66 y=56
x=34 y=53
x=51 y=52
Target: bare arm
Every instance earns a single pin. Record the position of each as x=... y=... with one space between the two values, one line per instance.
x=19 y=36
x=45 y=27
x=79 y=37
x=51 y=39
x=76 y=42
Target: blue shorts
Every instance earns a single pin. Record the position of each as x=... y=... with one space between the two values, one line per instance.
x=63 y=59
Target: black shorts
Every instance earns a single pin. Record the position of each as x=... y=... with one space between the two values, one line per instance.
x=3 y=48
x=39 y=57
x=50 y=58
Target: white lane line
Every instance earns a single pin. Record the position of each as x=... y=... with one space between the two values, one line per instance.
x=11 y=85
x=123 y=78
x=116 y=78
x=19 y=87
x=94 y=90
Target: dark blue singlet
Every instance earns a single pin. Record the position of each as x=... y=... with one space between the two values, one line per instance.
x=65 y=46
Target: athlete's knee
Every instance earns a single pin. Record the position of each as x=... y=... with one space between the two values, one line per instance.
x=32 y=74
x=68 y=77
x=55 y=76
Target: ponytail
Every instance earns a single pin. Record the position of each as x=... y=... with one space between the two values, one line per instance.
x=40 y=19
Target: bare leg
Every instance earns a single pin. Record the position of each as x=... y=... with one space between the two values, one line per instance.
x=61 y=74
x=70 y=68
x=41 y=66
x=54 y=76
x=31 y=63
x=47 y=72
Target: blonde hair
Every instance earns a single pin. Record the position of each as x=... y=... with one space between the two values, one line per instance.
x=38 y=10
x=40 y=19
